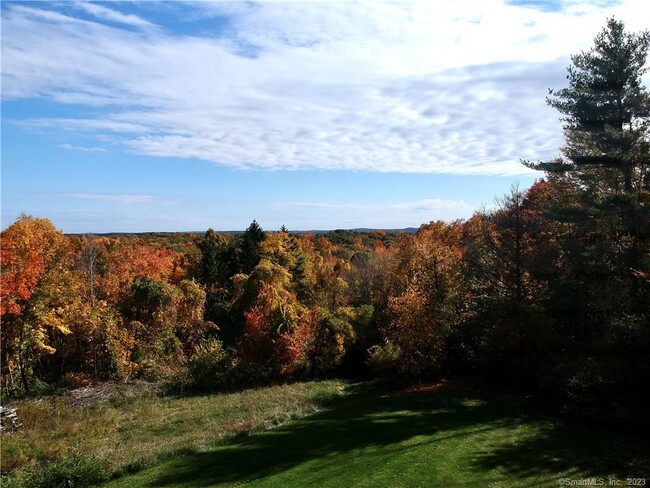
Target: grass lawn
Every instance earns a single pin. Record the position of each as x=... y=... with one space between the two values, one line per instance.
x=444 y=435
x=135 y=426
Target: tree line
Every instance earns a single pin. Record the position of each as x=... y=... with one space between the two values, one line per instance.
x=548 y=290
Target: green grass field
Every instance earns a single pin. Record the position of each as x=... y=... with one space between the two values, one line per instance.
x=73 y=445
x=444 y=435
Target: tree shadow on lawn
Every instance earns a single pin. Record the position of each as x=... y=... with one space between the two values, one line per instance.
x=579 y=451
x=368 y=417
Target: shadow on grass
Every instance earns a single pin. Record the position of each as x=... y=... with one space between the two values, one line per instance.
x=368 y=417
x=577 y=450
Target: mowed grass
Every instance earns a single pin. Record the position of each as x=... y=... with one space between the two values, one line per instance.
x=445 y=435
x=136 y=426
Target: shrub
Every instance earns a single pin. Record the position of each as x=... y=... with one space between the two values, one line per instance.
x=384 y=361
x=211 y=367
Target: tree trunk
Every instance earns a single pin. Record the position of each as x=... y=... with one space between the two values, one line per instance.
x=21 y=362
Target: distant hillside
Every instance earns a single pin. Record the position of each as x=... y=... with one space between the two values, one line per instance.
x=345 y=239
x=362 y=230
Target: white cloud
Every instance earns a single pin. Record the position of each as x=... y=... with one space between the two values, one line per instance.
x=104 y=13
x=104 y=125
x=427 y=204
x=122 y=198
x=82 y=148
x=430 y=87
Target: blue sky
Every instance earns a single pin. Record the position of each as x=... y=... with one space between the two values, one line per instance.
x=171 y=116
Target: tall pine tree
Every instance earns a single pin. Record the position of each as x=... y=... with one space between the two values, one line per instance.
x=607 y=113
x=249 y=255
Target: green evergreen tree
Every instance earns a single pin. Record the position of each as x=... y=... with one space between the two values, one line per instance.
x=597 y=289
x=213 y=265
x=607 y=111
x=249 y=252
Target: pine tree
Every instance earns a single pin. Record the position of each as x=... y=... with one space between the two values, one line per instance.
x=607 y=113
x=213 y=267
x=249 y=255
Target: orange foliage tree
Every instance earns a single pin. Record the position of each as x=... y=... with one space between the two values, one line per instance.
x=34 y=294
x=425 y=309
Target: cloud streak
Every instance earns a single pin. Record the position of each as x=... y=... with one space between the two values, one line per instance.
x=428 y=204
x=107 y=14
x=122 y=198
x=421 y=87
x=82 y=148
